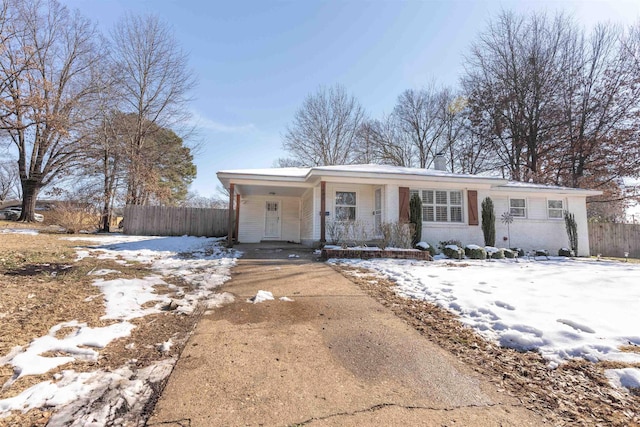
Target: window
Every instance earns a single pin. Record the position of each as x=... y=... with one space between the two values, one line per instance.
x=345 y=206
x=555 y=209
x=440 y=205
x=518 y=208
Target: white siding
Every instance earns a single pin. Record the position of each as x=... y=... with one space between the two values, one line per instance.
x=301 y=219
x=536 y=231
x=364 y=201
x=252 y=218
x=306 y=221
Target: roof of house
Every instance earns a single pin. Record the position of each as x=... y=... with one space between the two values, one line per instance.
x=310 y=174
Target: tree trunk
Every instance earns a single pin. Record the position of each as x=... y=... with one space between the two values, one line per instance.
x=30 y=190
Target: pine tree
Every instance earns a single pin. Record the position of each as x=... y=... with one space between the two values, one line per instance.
x=415 y=218
x=488 y=222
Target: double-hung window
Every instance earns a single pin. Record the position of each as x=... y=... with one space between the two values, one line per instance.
x=440 y=205
x=345 y=205
x=518 y=208
x=555 y=209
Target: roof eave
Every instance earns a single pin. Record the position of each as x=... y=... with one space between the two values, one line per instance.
x=556 y=190
x=318 y=174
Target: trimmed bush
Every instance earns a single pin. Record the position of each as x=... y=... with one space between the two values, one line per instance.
x=424 y=246
x=519 y=251
x=494 y=253
x=453 y=252
x=445 y=243
x=566 y=252
x=508 y=253
x=475 y=252
x=541 y=252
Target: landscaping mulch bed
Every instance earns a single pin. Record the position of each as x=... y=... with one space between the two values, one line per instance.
x=576 y=393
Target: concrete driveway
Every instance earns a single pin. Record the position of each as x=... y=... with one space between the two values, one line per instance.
x=331 y=357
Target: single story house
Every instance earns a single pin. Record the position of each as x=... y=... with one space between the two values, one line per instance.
x=299 y=205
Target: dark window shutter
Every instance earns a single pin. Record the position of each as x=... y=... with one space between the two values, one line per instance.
x=472 y=203
x=404 y=204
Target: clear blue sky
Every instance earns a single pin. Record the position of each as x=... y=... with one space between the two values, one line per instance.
x=257 y=60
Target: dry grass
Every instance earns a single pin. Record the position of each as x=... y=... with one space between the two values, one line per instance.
x=41 y=285
x=577 y=393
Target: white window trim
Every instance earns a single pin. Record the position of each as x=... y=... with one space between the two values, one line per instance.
x=561 y=217
x=335 y=205
x=526 y=207
x=448 y=205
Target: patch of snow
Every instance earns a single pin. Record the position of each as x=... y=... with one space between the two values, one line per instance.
x=628 y=378
x=74 y=346
x=294 y=256
x=261 y=296
x=165 y=346
x=28 y=231
x=454 y=247
x=472 y=247
x=491 y=249
x=218 y=300
x=124 y=297
x=103 y=272
x=80 y=396
x=423 y=245
x=286 y=299
x=100 y=398
x=563 y=308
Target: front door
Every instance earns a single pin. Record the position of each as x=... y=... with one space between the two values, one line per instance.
x=272 y=220
x=377 y=211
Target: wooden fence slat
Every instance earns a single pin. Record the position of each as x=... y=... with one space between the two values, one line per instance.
x=170 y=221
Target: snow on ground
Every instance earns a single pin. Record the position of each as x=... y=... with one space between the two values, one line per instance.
x=201 y=262
x=261 y=296
x=29 y=231
x=95 y=398
x=564 y=308
x=107 y=397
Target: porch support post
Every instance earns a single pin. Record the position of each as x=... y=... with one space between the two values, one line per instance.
x=323 y=209
x=235 y=234
x=230 y=226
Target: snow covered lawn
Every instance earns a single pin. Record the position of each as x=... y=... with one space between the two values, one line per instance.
x=563 y=308
x=168 y=278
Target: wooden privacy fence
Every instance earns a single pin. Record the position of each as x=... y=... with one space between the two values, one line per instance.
x=614 y=239
x=170 y=221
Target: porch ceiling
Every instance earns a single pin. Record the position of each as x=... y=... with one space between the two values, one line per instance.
x=270 y=190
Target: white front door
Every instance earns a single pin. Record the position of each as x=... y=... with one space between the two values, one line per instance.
x=377 y=211
x=272 y=220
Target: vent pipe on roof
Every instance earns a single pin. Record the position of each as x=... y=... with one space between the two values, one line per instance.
x=440 y=163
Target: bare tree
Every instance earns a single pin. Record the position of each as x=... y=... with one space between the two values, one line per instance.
x=195 y=200
x=512 y=74
x=9 y=181
x=420 y=114
x=287 y=162
x=390 y=145
x=47 y=68
x=325 y=129
x=156 y=83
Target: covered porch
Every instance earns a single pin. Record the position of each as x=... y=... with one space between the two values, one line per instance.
x=308 y=214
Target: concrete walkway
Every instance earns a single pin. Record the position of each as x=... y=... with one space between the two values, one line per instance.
x=332 y=357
